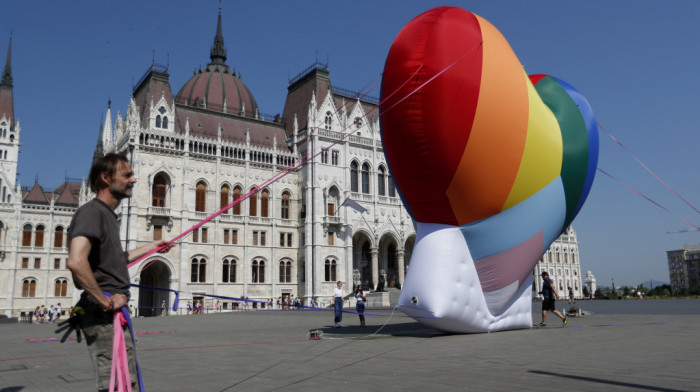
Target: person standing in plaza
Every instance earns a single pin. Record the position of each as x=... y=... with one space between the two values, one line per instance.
x=99 y=264
x=571 y=296
x=57 y=316
x=338 y=304
x=360 y=304
x=549 y=293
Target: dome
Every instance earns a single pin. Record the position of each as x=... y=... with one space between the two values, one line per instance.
x=217 y=87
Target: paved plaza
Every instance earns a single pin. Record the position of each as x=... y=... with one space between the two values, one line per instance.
x=271 y=351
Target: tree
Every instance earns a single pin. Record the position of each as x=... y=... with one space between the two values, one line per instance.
x=598 y=293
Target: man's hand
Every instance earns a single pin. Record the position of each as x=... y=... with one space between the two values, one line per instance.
x=118 y=302
x=163 y=246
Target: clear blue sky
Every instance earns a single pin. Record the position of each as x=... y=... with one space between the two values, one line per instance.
x=635 y=61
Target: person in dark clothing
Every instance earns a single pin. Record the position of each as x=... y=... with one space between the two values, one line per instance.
x=548 y=303
x=360 y=304
x=99 y=264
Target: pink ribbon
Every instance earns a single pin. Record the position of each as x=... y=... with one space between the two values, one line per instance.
x=120 y=362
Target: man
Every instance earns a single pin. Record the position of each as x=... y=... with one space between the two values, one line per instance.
x=338 y=304
x=548 y=303
x=99 y=264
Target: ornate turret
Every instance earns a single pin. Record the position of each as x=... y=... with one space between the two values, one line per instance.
x=7 y=102
x=7 y=73
x=218 y=50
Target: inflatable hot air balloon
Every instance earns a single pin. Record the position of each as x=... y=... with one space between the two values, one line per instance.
x=492 y=165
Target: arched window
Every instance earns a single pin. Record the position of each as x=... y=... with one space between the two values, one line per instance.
x=330 y=275
x=58 y=237
x=392 y=186
x=381 y=178
x=229 y=271
x=201 y=197
x=328 y=121
x=285 y=271
x=60 y=288
x=258 y=271
x=160 y=188
x=264 y=198
x=29 y=288
x=365 y=178
x=157 y=121
x=165 y=122
x=354 y=176
x=253 y=204
x=27 y=235
x=1 y=229
x=224 y=197
x=285 y=206
x=237 y=195
x=199 y=271
x=39 y=236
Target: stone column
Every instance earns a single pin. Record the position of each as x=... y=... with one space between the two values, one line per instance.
x=400 y=255
x=374 y=252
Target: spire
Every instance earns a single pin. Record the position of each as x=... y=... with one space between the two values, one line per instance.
x=218 y=50
x=7 y=73
x=107 y=130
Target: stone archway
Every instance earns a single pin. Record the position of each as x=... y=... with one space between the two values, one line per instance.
x=389 y=260
x=362 y=259
x=150 y=300
x=392 y=266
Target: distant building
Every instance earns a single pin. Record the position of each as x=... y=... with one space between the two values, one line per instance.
x=684 y=269
x=562 y=263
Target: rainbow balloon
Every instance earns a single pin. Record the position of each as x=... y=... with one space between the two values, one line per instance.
x=492 y=164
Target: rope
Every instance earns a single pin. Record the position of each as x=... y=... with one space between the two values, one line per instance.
x=648 y=199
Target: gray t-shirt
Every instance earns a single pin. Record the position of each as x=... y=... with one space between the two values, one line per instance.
x=108 y=261
x=547 y=291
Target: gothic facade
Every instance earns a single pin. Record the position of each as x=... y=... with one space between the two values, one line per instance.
x=315 y=201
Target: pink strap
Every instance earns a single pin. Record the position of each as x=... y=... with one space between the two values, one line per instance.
x=120 y=363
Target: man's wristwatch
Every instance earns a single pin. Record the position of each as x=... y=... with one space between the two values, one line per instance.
x=110 y=306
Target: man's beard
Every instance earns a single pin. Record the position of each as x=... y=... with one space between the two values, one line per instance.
x=121 y=193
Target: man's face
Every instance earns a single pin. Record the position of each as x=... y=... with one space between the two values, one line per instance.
x=122 y=182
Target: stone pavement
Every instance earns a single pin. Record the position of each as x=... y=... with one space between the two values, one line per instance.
x=270 y=351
